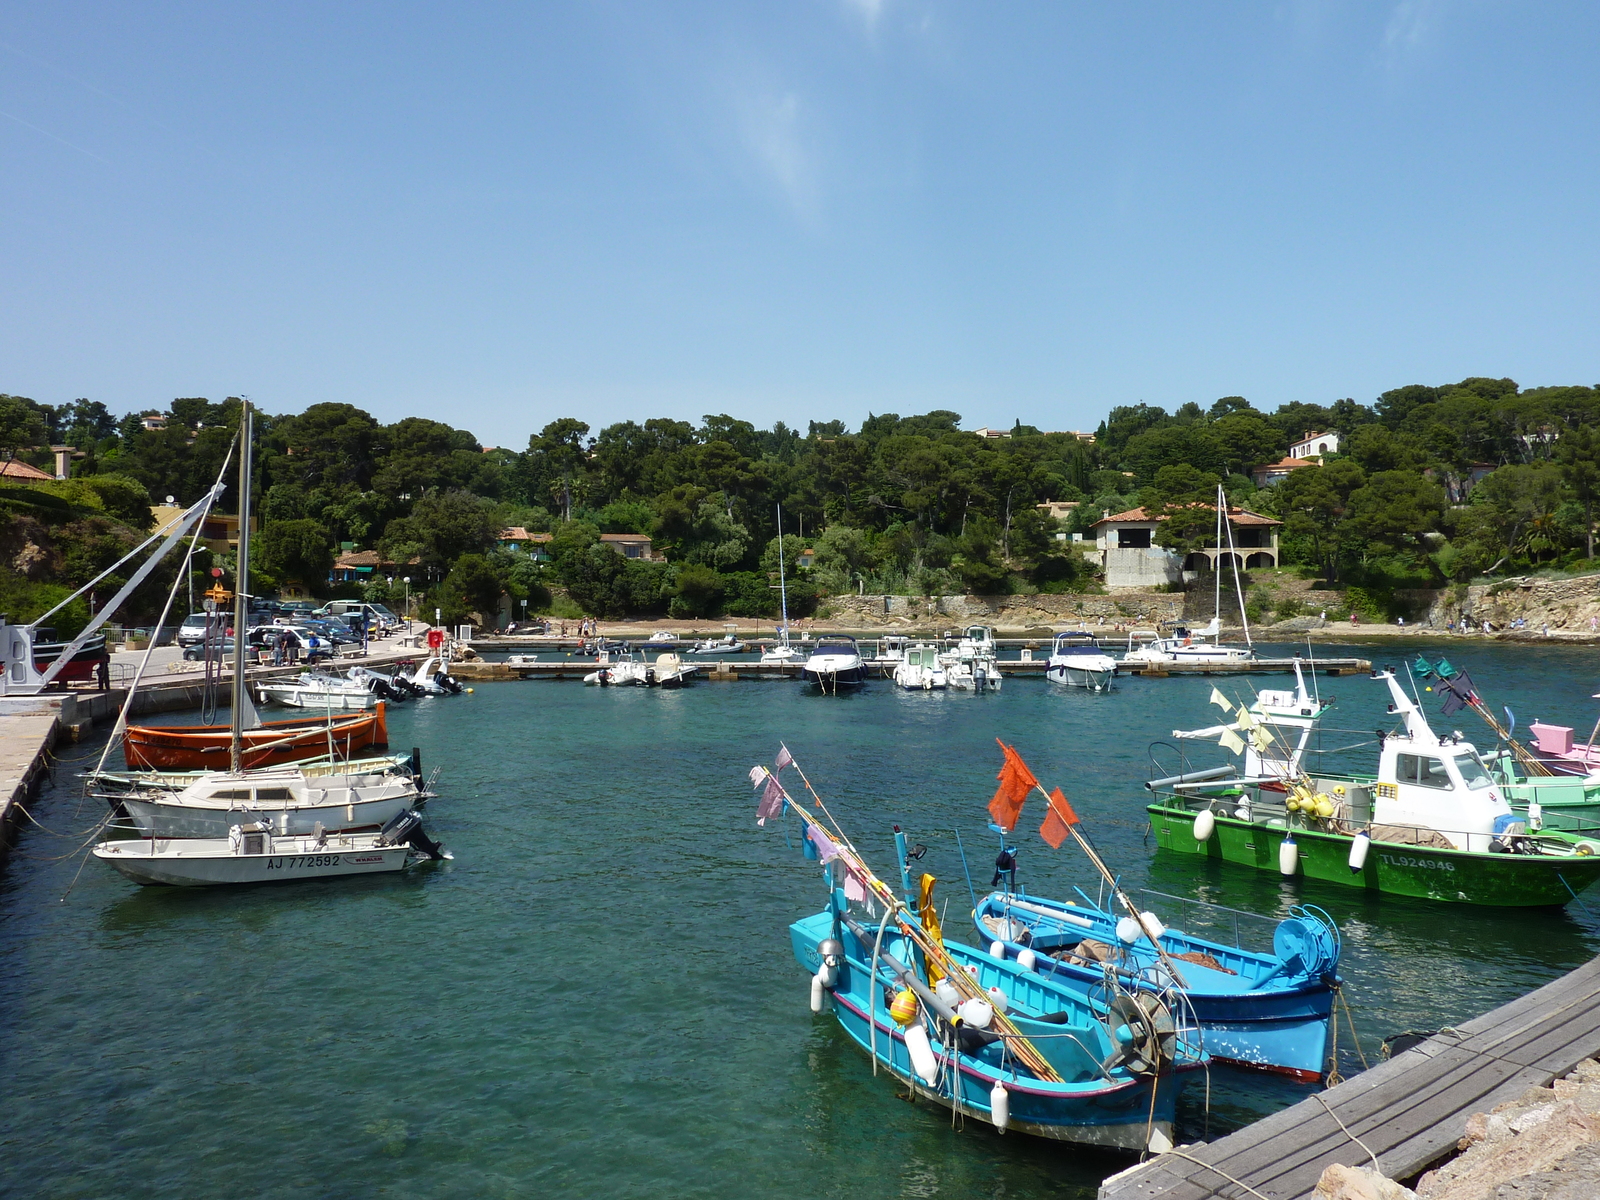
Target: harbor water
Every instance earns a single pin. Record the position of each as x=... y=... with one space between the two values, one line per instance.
x=596 y=997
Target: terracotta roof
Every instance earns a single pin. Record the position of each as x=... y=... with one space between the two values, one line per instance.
x=15 y=469
x=518 y=534
x=1236 y=516
x=358 y=558
x=1287 y=464
x=624 y=537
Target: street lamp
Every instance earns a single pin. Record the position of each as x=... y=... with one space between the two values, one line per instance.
x=408 y=603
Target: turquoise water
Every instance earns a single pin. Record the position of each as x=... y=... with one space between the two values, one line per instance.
x=597 y=997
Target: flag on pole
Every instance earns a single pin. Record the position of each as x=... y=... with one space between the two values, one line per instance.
x=826 y=849
x=784 y=758
x=1220 y=700
x=771 y=800
x=1422 y=667
x=1245 y=721
x=757 y=776
x=1231 y=741
x=853 y=889
x=1058 y=821
x=1016 y=781
x=1260 y=740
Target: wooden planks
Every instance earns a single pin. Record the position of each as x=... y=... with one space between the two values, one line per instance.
x=1410 y=1111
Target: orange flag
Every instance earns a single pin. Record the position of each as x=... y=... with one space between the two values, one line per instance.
x=1058 y=821
x=1016 y=781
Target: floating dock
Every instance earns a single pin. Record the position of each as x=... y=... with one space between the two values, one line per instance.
x=1410 y=1111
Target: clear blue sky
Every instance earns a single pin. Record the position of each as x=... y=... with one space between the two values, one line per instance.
x=497 y=215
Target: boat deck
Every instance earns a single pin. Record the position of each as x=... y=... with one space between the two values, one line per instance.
x=1410 y=1111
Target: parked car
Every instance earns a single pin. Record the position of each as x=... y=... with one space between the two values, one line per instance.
x=221 y=648
x=305 y=642
x=193 y=630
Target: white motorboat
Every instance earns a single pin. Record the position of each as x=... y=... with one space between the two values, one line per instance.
x=670 y=671
x=662 y=637
x=1188 y=646
x=1077 y=663
x=294 y=801
x=431 y=679
x=618 y=668
x=891 y=652
x=834 y=663
x=973 y=665
x=921 y=670
x=318 y=691
x=253 y=853
x=711 y=647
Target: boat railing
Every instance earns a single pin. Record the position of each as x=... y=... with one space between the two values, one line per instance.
x=1199 y=917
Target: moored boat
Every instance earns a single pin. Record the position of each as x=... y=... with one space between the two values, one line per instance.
x=270 y=744
x=1077 y=663
x=834 y=663
x=920 y=670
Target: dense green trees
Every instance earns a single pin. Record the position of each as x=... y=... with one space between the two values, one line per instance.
x=1433 y=483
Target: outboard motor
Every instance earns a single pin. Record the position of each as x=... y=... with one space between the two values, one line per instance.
x=448 y=683
x=406 y=829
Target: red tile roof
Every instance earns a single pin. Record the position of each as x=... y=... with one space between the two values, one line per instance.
x=1236 y=516
x=16 y=469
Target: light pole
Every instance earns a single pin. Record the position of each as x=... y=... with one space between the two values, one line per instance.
x=408 y=603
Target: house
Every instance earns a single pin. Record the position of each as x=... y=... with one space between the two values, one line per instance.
x=630 y=545
x=1132 y=559
x=806 y=559
x=16 y=469
x=1273 y=474
x=359 y=566
x=1315 y=445
x=518 y=539
x=219 y=531
x=992 y=434
x=153 y=422
x=1057 y=510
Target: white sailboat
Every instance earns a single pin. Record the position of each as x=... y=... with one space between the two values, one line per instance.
x=782 y=652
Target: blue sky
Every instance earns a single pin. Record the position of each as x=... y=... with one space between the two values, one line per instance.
x=498 y=215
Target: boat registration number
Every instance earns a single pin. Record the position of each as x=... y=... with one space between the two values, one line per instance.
x=1431 y=864
x=289 y=862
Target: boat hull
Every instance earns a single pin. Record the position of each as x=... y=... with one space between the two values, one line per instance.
x=211 y=870
x=1456 y=876
x=319 y=701
x=828 y=680
x=1131 y=1114
x=160 y=819
x=273 y=743
x=1095 y=679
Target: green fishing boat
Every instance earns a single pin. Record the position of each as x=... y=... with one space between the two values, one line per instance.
x=1432 y=823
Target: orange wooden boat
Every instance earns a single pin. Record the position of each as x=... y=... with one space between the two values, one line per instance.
x=205 y=747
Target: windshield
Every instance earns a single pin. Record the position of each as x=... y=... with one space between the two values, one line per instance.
x=1473 y=773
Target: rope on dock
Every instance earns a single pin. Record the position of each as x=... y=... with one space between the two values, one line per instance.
x=1219 y=1171
x=1329 y=1110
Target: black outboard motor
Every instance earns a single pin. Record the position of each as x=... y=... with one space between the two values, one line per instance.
x=448 y=682
x=406 y=829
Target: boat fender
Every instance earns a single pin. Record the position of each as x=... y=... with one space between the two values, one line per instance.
x=999 y=1106
x=1205 y=825
x=976 y=1014
x=997 y=999
x=818 y=992
x=904 y=1007
x=1288 y=856
x=1027 y=959
x=997 y=949
x=832 y=953
x=921 y=1053
x=1359 y=845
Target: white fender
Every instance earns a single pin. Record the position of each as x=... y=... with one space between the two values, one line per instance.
x=1359 y=845
x=999 y=1106
x=818 y=993
x=1288 y=856
x=922 y=1060
x=829 y=975
x=1027 y=959
x=1205 y=825
x=997 y=949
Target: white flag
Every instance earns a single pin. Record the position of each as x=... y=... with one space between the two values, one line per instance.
x=1220 y=701
x=758 y=776
x=1231 y=741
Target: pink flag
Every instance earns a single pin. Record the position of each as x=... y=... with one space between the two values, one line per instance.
x=784 y=758
x=853 y=889
x=826 y=849
x=757 y=774
x=771 y=800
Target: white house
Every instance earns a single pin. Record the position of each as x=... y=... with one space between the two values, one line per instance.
x=1315 y=445
x=1132 y=559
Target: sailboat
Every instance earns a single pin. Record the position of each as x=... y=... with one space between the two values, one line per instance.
x=1183 y=645
x=782 y=652
x=286 y=799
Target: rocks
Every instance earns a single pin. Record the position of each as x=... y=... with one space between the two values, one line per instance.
x=1544 y=1145
x=1340 y=1182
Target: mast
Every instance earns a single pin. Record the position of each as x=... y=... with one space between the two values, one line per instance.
x=1237 y=586
x=1216 y=569
x=241 y=600
x=783 y=584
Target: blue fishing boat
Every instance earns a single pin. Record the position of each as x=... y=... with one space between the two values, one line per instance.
x=1267 y=1011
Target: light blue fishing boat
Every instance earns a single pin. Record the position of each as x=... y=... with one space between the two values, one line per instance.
x=1266 y=1011
x=1119 y=1059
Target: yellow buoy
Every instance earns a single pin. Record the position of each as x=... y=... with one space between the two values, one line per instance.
x=904 y=1008
x=1324 y=807
x=469 y=691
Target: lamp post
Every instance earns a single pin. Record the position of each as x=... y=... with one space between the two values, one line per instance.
x=408 y=603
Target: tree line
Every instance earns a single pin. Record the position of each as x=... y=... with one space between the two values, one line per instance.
x=1432 y=484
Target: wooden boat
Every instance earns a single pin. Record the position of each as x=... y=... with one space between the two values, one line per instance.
x=1260 y=1010
x=205 y=747
x=1433 y=824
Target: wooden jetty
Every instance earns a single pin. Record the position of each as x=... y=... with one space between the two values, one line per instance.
x=1410 y=1111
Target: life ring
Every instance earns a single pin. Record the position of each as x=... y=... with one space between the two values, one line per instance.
x=1188 y=641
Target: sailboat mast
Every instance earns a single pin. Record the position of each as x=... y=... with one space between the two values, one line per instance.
x=241 y=600
x=783 y=583
x=1238 y=587
x=1216 y=567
